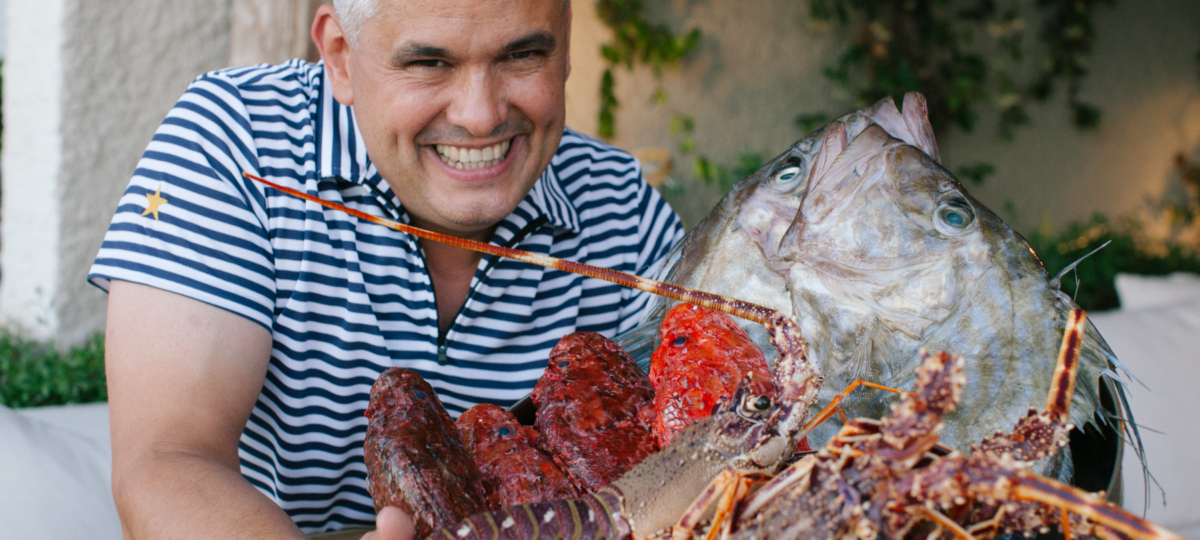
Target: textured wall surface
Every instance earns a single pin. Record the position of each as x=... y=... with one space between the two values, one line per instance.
x=31 y=162
x=272 y=31
x=107 y=73
x=761 y=64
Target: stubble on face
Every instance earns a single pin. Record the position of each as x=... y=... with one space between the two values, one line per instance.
x=437 y=84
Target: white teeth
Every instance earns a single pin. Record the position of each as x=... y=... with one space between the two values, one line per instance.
x=473 y=158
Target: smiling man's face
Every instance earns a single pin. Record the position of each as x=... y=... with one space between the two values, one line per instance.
x=460 y=103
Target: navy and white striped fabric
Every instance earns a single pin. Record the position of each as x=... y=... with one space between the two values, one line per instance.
x=345 y=299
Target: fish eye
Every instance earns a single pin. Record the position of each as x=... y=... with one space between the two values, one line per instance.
x=955 y=216
x=679 y=341
x=564 y=364
x=421 y=395
x=504 y=432
x=786 y=175
x=762 y=403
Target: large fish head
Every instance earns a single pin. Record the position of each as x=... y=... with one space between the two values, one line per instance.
x=889 y=254
x=887 y=236
x=884 y=249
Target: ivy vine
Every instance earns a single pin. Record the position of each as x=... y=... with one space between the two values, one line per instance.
x=635 y=38
x=964 y=55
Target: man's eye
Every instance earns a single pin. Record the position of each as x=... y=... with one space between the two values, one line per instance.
x=429 y=63
x=521 y=55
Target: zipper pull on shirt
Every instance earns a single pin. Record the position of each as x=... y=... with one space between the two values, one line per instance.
x=443 y=359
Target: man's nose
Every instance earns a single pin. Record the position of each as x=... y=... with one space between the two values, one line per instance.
x=479 y=105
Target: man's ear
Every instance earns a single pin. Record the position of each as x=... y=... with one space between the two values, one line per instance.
x=570 y=17
x=331 y=40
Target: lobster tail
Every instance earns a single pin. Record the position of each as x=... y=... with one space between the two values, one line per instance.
x=595 y=516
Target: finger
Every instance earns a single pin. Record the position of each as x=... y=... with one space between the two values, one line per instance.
x=393 y=524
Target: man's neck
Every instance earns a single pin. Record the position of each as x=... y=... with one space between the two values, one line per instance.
x=451 y=270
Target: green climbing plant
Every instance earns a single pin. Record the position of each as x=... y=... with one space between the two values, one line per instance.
x=635 y=39
x=963 y=55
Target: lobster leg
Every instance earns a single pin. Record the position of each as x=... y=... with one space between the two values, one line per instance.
x=725 y=490
x=1094 y=510
x=834 y=404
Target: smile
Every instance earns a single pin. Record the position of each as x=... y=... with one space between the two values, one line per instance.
x=473 y=158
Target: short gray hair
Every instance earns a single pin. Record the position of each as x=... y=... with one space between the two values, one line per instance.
x=352 y=14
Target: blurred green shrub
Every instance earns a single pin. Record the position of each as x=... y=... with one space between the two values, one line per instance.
x=34 y=374
x=1097 y=274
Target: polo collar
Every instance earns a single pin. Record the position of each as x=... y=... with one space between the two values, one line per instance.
x=341 y=152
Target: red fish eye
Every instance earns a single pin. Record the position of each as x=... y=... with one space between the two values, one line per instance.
x=504 y=432
x=680 y=341
x=563 y=364
x=421 y=395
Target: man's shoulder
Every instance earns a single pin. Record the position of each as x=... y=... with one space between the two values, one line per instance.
x=267 y=83
x=583 y=162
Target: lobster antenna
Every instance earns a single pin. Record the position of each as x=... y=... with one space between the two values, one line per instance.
x=737 y=308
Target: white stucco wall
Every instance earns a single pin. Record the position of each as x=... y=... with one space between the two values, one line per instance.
x=86 y=84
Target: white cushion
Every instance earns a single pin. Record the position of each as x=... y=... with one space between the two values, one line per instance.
x=56 y=480
x=1161 y=346
x=1142 y=292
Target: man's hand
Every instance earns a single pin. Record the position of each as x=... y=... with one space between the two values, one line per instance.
x=392 y=524
x=183 y=377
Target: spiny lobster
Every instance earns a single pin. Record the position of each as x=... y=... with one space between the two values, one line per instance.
x=880 y=477
x=750 y=437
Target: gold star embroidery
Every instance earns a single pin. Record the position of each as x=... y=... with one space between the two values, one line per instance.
x=153 y=202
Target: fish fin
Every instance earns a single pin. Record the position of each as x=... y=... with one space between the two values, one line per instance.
x=885 y=115
x=832 y=145
x=916 y=117
x=1098 y=358
x=1056 y=283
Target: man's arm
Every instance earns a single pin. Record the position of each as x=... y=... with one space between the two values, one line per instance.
x=183 y=377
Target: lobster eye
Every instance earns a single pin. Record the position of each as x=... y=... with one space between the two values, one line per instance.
x=421 y=395
x=504 y=432
x=954 y=216
x=564 y=364
x=679 y=341
x=762 y=403
x=786 y=175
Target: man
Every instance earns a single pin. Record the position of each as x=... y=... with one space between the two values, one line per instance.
x=246 y=327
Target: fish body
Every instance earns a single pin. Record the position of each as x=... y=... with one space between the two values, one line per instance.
x=514 y=471
x=414 y=456
x=594 y=410
x=703 y=356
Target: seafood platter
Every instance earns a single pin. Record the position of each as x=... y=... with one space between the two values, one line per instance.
x=736 y=409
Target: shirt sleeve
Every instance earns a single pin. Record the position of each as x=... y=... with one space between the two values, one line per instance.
x=188 y=222
x=659 y=230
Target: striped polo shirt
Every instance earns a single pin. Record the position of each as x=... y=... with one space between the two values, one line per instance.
x=345 y=299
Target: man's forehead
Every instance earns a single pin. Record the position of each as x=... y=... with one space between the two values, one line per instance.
x=413 y=18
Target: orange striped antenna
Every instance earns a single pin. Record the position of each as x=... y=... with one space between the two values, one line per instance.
x=1062 y=387
x=737 y=308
